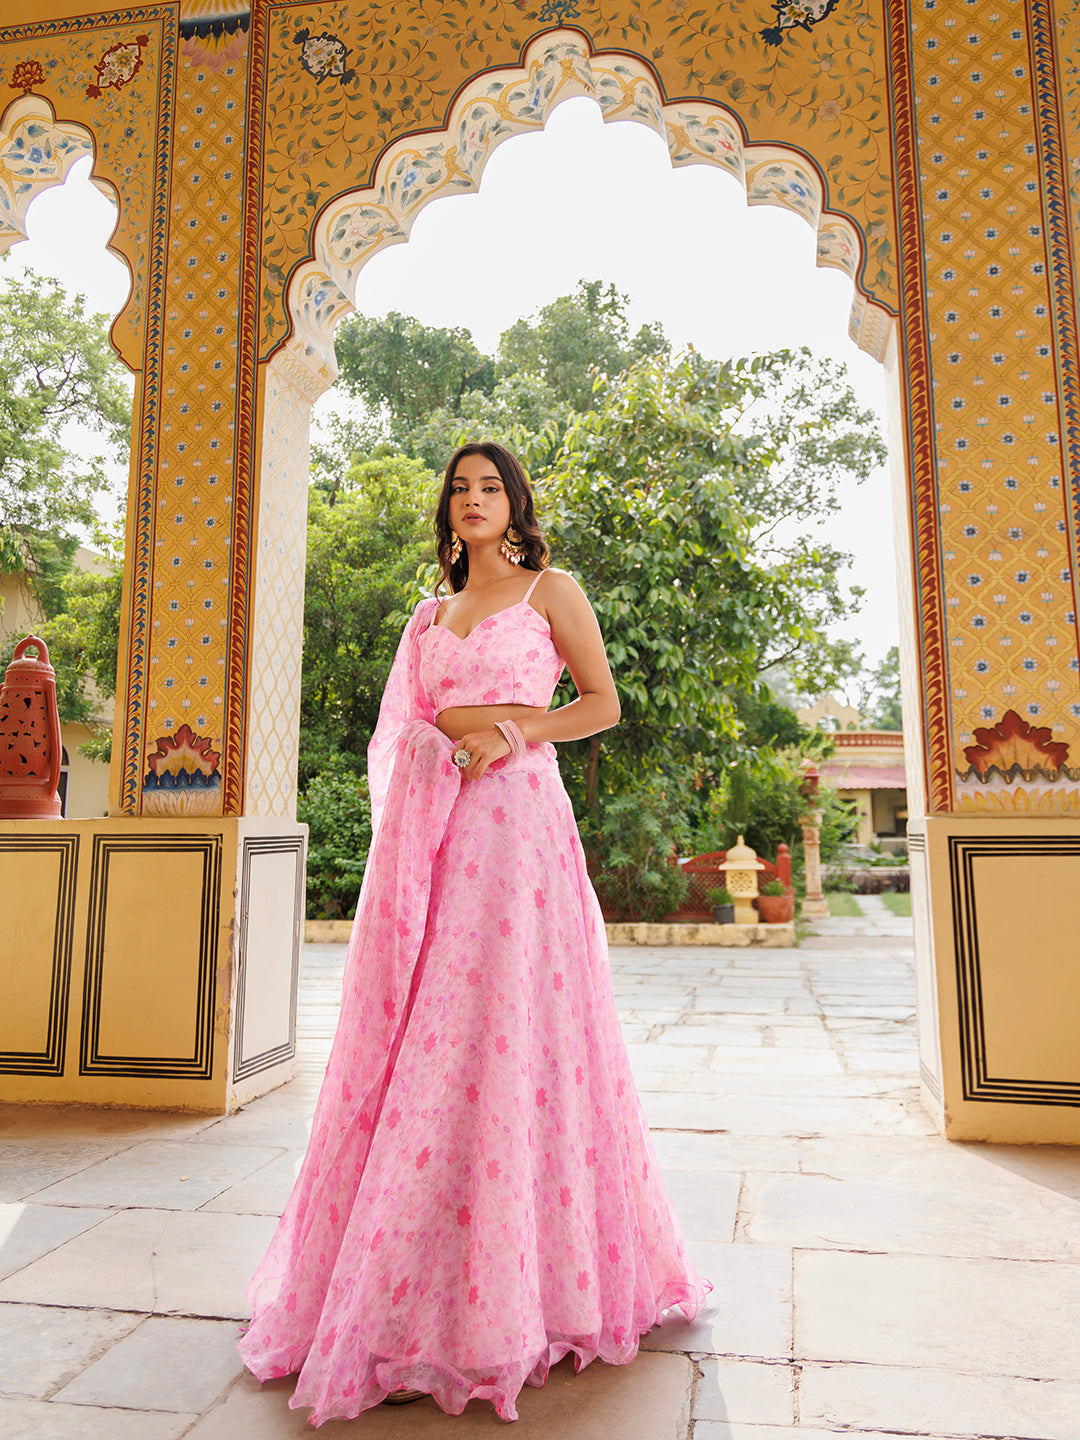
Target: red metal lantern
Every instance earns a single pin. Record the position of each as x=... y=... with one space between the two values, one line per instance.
x=30 y=748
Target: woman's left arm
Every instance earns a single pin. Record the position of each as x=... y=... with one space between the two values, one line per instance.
x=578 y=640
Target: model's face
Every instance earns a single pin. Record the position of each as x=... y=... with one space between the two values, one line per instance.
x=479 y=504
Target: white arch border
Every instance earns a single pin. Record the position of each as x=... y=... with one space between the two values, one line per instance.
x=36 y=152
x=492 y=108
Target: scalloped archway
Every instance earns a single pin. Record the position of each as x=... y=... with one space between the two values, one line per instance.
x=495 y=106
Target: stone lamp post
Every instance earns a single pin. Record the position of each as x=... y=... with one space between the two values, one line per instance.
x=740 y=868
x=814 y=904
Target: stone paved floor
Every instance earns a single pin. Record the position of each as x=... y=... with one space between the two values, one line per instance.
x=870 y=1278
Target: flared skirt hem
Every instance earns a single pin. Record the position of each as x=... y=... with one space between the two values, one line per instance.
x=452 y=1388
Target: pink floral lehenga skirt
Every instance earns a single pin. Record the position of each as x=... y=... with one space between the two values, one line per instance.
x=480 y=1195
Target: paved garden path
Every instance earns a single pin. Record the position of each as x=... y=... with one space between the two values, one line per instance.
x=870 y=1278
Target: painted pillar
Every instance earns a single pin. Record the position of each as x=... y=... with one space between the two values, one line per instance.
x=169 y=976
x=986 y=370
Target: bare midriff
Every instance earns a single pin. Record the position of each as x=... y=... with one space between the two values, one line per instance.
x=462 y=720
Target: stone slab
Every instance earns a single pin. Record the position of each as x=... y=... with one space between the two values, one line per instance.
x=646 y=1400
x=939 y=1402
x=785 y=1115
x=810 y=1211
x=168 y=1363
x=778 y=1061
x=653 y=1056
x=43 y=1346
x=749 y=1312
x=46 y=1420
x=160 y=1174
x=985 y=1317
x=729 y=936
x=746 y=1391
x=30 y=1164
x=266 y=1192
x=688 y=1150
x=723 y=1430
x=28 y=1232
x=280 y=1119
x=691 y=1032
x=706 y=1202
x=76 y=1122
x=154 y=1261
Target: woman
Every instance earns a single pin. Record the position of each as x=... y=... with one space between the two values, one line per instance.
x=480 y=1196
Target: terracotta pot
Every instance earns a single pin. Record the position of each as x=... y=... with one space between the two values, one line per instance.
x=776 y=909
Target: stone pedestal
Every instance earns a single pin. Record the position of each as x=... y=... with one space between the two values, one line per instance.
x=149 y=964
x=814 y=904
x=996 y=907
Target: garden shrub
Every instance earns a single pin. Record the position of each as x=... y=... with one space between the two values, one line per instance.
x=337 y=810
x=630 y=845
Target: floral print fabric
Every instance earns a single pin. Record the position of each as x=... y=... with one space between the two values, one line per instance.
x=508 y=659
x=480 y=1196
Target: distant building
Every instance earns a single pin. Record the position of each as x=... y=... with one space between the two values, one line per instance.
x=84 y=784
x=867 y=770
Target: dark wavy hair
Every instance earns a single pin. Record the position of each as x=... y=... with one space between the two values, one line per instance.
x=522 y=513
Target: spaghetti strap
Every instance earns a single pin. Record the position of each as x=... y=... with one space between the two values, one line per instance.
x=532 y=587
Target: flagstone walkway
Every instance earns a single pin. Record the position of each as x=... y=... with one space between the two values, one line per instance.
x=870 y=1278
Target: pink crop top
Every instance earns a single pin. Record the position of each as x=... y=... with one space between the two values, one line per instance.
x=508 y=659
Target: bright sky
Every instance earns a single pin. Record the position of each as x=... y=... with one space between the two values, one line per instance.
x=583 y=201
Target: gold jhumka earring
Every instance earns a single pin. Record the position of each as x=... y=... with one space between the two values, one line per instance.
x=455 y=548
x=511 y=547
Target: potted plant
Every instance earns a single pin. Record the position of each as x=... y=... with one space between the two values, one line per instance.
x=722 y=904
x=775 y=904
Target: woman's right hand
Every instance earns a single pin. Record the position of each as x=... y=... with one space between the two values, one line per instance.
x=483 y=746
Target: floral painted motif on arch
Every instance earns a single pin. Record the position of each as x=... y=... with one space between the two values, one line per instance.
x=27 y=76
x=118 y=66
x=800 y=14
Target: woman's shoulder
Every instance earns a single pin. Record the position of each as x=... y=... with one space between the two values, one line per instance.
x=423 y=614
x=557 y=582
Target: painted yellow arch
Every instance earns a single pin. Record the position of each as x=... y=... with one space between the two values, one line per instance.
x=493 y=107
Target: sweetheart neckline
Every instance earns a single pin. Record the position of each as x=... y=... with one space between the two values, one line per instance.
x=505 y=610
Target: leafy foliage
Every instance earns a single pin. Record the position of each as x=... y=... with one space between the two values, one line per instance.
x=575 y=341
x=336 y=807
x=761 y=798
x=407 y=368
x=81 y=634
x=682 y=492
x=57 y=370
x=629 y=842
x=879 y=698
x=365 y=542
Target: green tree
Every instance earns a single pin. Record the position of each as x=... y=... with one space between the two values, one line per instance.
x=426 y=389
x=879 y=696
x=57 y=371
x=646 y=501
x=409 y=369
x=336 y=807
x=576 y=340
x=366 y=540
x=82 y=636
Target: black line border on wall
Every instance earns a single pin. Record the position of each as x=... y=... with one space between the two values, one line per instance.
x=978 y=1084
x=245 y=1065
x=200 y=1063
x=50 y=1061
